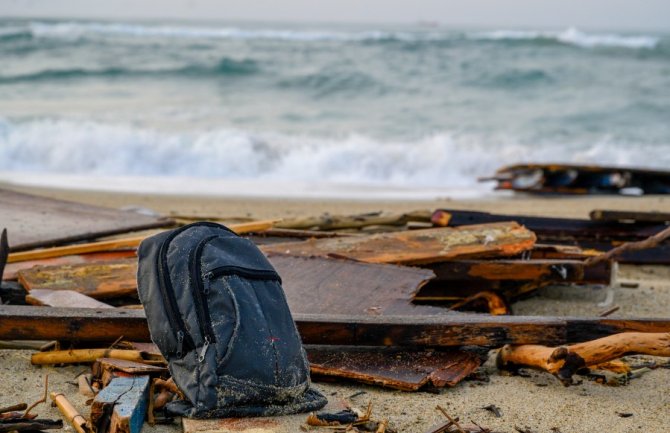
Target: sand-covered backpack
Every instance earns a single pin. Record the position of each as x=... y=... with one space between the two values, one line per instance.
x=218 y=314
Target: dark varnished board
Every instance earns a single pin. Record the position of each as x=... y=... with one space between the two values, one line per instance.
x=19 y=322
x=34 y=221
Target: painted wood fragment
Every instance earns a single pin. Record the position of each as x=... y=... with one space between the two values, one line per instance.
x=121 y=406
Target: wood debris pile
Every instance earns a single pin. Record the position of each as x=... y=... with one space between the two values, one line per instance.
x=378 y=299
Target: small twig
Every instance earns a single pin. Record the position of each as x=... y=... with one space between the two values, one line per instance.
x=610 y=311
x=481 y=429
x=452 y=420
x=650 y=242
x=111 y=346
x=42 y=400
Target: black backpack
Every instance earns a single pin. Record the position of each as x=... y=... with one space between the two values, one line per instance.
x=218 y=314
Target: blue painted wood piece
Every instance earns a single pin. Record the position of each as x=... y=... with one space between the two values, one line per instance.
x=129 y=397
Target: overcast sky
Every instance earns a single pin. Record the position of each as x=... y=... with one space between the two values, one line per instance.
x=596 y=14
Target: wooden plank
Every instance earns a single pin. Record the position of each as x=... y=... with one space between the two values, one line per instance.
x=571 y=271
x=63 y=298
x=628 y=216
x=312 y=284
x=403 y=370
x=418 y=246
x=97 y=280
x=19 y=322
x=121 y=406
x=317 y=285
x=550 y=229
x=12 y=269
x=116 y=244
x=34 y=221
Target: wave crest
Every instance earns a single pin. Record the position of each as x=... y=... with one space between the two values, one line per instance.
x=572 y=36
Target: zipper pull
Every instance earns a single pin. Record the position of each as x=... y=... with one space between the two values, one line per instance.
x=205 y=287
x=180 y=344
x=204 y=350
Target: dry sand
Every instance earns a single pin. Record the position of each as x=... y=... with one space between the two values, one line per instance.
x=539 y=402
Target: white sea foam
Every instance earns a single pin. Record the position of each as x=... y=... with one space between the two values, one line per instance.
x=233 y=160
x=573 y=36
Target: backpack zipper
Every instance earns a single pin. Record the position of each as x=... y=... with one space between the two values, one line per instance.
x=184 y=339
x=199 y=297
x=252 y=274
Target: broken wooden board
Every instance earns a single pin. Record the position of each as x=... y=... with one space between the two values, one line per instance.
x=402 y=370
x=312 y=284
x=98 y=280
x=121 y=406
x=12 y=269
x=418 y=246
x=18 y=322
x=34 y=221
x=62 y=298
x=106 y=369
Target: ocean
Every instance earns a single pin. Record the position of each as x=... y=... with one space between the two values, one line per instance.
x=328 y=110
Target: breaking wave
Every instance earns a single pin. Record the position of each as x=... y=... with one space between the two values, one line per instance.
x=572 y=36
x=77 y=30
x=438 y=160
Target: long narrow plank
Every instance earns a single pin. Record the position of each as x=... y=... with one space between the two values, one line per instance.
x=418 y=246
x=117 y=244
x=63 y=298
x=34 y=221
x=629 y=216
x=106 y=325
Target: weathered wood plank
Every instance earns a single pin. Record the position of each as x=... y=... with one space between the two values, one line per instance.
x=12 y=269
x=106 y=325
x=97 y=280
x=418 y=246
x=34 y=221
x=63 y=298
x=121 y=406
x=406 y=371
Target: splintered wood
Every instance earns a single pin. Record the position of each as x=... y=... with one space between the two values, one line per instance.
x=406 y=371
x=418 y=246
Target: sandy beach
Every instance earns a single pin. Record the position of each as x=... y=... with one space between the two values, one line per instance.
x=538 y=403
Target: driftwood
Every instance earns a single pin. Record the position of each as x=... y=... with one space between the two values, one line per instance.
x=565 y=361
x=77 y=356
x=418 y=246
x=117 y=244
x=12 y=269
x=71 y=415
x=107 y=369
x=121 y=407
x=8 y=425
x=88 y=325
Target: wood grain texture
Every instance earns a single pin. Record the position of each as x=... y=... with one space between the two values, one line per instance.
x=106 y=325
x=406 y=371
x=34 y=221
x=12 y=269
x=418 y=246
x=97 y=280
